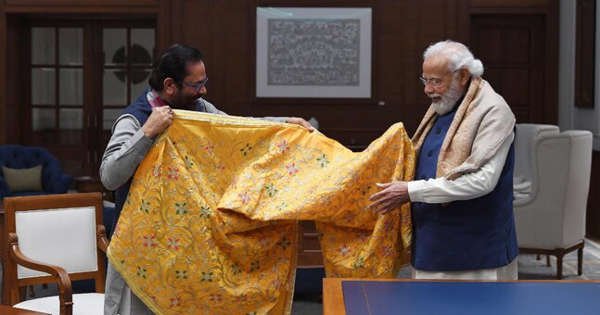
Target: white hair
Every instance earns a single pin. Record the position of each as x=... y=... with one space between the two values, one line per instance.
x=458 y=56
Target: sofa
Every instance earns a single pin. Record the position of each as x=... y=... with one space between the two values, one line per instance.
x=27 y=160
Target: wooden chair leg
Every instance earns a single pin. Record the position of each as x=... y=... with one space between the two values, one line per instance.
x=559 y=265
x=547 y=260
x=580 y=261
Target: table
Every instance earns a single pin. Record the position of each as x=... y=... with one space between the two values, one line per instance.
x=9 y=310
x=406 y=296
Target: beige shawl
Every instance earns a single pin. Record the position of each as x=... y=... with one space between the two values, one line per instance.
x=483 y=121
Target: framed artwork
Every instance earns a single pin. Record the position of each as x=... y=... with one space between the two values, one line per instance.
x=313 y=52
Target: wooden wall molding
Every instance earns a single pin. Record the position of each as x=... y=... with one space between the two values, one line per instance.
x=81 y=3
x=81 y=6
x=510 y=3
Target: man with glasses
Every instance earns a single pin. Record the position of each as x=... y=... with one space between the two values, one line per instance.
x=462 y=213
x=178 y=80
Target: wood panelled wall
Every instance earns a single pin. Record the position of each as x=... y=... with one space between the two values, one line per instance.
x=224 y=31
x=401 y=29
x=593 y=206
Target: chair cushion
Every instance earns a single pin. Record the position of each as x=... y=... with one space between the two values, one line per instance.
x=83 y=304
x=23 y=179
x=48 y=235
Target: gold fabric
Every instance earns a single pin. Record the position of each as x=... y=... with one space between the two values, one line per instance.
x=483 y=121
x=210 y=223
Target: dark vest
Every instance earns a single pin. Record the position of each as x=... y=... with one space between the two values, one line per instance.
x=462 y=235
x=141 y=110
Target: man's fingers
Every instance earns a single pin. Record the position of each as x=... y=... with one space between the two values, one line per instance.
x=384 y=185
x=378 y=195
x=384 y=207
x=387 y=207
x=308 y=126
x=379 y=203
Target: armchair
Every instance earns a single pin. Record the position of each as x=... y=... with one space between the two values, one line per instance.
x=54 y=181
x=55 y=239
x=552 y=176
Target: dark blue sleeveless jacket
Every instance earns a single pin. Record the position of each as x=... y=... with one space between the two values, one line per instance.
x=462 y=235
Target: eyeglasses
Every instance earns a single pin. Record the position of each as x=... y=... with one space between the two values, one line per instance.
x=435 y=82
x=196 y=86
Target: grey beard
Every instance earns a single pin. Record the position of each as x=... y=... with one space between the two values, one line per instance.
x=449 y=99
x=442 y=107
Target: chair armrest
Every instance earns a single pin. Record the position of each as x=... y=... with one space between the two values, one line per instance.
x=101 y=238
x=63 y=280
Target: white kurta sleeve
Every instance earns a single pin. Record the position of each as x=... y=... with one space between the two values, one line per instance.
x=465 y=187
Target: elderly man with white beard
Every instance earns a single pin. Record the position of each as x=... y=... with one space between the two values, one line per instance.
x=461 y=195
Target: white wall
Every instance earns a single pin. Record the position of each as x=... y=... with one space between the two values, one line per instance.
x=570 y=116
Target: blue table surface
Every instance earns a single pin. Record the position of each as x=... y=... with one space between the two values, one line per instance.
x=411 y=298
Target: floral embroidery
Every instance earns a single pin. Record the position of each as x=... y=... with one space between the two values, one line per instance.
x=271 y=190
x=246 y=149
x=282 y=206
x=245 y=197
x=282 y=146
x=173 y=243
x=176 y=301
x=344 y=250
x=189 y=163
x=145 y=206
x=181 y=274
x=172 y=173
x=149 y=241
x=142 y=272
x=359 y=263
x=323 y=161
x=208 y=148
x=156 y=171
x=181 y=208
x=206 y=276
x=205 y=212
x=291 y=169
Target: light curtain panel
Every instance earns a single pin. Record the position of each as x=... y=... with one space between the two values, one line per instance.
x=313 y=52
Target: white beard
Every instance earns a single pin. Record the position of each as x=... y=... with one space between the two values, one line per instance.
x=448 y=99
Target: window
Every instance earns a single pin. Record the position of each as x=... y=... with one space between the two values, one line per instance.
x=83 y=73
x=57 y=81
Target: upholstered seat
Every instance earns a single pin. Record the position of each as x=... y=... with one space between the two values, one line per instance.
x=53 y=180
x=83 y=304
x=552 y=175
x=55 y=238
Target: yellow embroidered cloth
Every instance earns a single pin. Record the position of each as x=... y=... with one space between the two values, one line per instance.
x=210 y=223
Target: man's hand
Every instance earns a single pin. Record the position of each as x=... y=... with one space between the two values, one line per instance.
x=301 y=122
x=392 y=196
x=160 y=119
